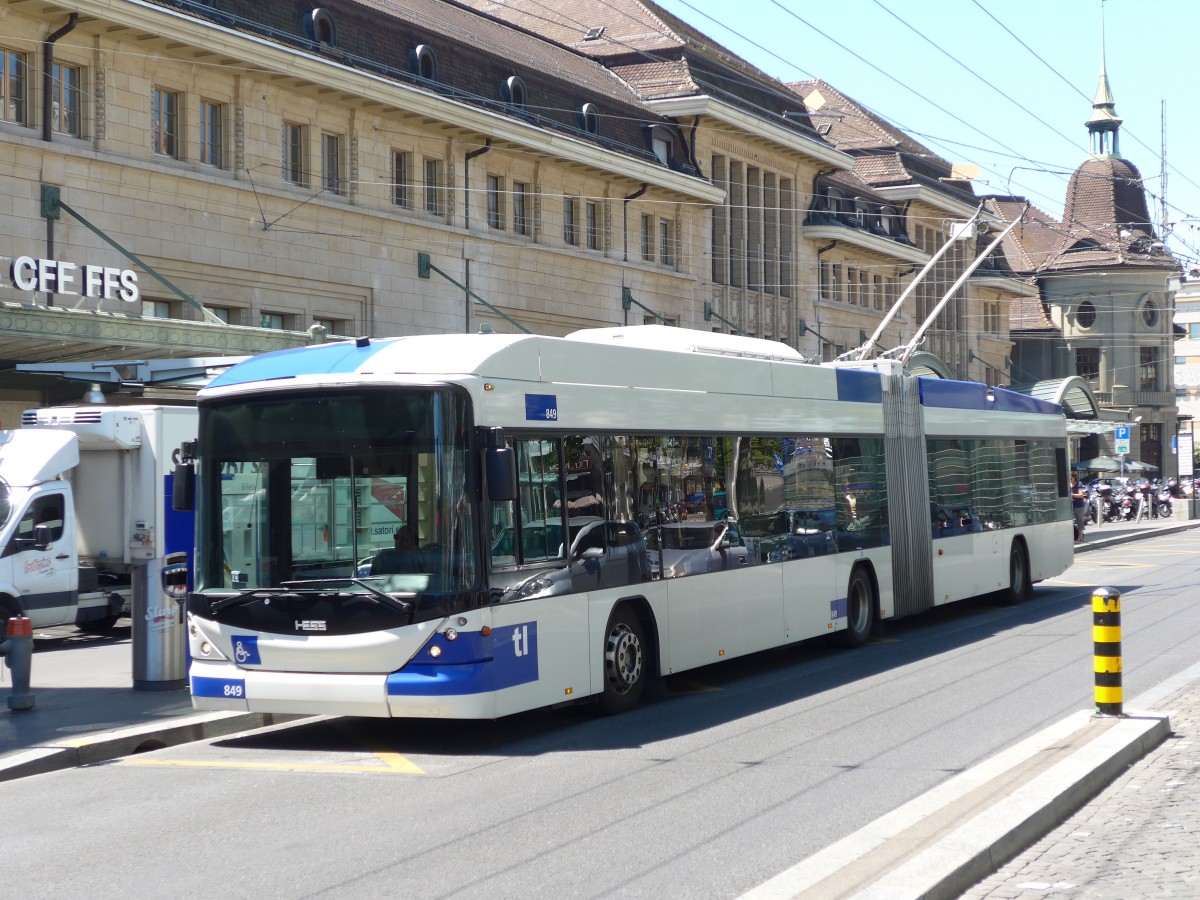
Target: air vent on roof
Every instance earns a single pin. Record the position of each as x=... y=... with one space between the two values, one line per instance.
x=825 y=128
x=593 y=34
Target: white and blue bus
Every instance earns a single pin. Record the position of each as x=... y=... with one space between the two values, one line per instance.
x=470 y=526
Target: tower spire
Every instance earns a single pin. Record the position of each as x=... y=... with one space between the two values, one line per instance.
x=1104 y=122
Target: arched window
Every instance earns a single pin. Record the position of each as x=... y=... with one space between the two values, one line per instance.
x=1085 y=316
x=423 y=61
x=323 y=28
x=1150 y=314
x=589 y=118
x=513 y=91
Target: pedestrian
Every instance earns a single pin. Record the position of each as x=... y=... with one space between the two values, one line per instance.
x=1078 y=505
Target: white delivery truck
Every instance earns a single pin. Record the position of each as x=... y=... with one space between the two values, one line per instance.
x=86 y=522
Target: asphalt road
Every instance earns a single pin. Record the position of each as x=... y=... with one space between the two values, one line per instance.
x=733 y=774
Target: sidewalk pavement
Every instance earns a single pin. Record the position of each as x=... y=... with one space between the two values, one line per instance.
x=948 y=841
x=87 y=711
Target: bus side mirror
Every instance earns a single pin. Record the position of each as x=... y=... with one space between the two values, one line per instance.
x=501 y=466
x=183 y=488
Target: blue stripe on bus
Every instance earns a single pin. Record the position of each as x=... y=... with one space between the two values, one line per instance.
x=339 y=358
x=514 y=661
x=225 y=688
x=938 y=392
x=858 y=386
x=953 y=394
x=1014 y=401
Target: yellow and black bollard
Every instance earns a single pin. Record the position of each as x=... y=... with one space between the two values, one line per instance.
x=1106 y=650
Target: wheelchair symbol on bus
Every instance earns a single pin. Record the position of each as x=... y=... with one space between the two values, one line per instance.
x=245 y=651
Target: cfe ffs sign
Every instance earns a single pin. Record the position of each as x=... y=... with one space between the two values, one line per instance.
x=58 y=277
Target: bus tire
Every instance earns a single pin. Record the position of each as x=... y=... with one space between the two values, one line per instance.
x=860 y=609
x=1019 y=583
x=624 y=661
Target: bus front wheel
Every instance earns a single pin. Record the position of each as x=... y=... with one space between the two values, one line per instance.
x=624 y=662
x=860 y=609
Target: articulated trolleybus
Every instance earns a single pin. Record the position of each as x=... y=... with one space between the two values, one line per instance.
x=469 y=526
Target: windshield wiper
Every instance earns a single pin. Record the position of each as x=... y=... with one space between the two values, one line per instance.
x=403 y=606
x=215 y=606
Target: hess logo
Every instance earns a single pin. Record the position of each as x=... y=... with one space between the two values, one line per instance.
x=310 y=625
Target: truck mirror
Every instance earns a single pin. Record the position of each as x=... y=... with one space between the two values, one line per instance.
x=501 y=466
x=183 y=488
x=42 y=536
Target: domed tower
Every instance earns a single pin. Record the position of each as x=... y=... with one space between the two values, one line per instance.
x=1106 y=287
x=1106 y=202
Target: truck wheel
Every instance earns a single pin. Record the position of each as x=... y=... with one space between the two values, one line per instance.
x=624 y=662
x=8 y=609
x=98 y=626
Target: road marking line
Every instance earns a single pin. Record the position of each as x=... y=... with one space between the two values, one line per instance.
x=394 y=768
x=390 y=758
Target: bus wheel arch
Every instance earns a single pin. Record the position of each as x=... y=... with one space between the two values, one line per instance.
x=1020 y=578
x=630 y=654
x=862 y=605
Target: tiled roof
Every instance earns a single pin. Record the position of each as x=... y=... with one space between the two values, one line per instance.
x=1029 y=314
x=1035 y=240
x=1107 y=191
x=1106 y=222
x=639 y=39
x=525 y=51
x=658 y=79
x=851 y=127
x=881 y=169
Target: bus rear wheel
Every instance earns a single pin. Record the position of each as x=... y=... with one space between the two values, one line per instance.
x=624 y=662
x=860 y=609
x=1019 y=583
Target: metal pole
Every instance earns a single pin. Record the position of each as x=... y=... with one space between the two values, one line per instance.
x=1106 y=651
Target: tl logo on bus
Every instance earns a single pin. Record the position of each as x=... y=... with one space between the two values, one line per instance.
x=520 y=639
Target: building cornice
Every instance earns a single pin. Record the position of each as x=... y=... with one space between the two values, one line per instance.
x=756 y=126
x=928 y=196
x=865 y=240
x=1008 y=285
x=267 y=57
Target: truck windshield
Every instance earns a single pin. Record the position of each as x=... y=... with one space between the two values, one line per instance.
x=306 y=486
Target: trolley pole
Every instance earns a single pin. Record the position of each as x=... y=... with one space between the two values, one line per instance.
x=1106 y=644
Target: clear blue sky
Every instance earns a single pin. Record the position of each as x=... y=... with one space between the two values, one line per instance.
x=901 y=74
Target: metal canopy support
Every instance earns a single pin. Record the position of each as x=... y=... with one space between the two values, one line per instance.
x=710 y=314
x=52 y=203
x=136 y=371
x=425 y=266
x=627 y=302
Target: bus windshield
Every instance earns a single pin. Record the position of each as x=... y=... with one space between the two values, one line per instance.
x=336 y=484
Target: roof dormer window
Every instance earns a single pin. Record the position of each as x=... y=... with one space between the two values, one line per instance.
x=589 y=118
x=661 y=141
x=324 y=31
x=513 y=91
x=423 y=61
